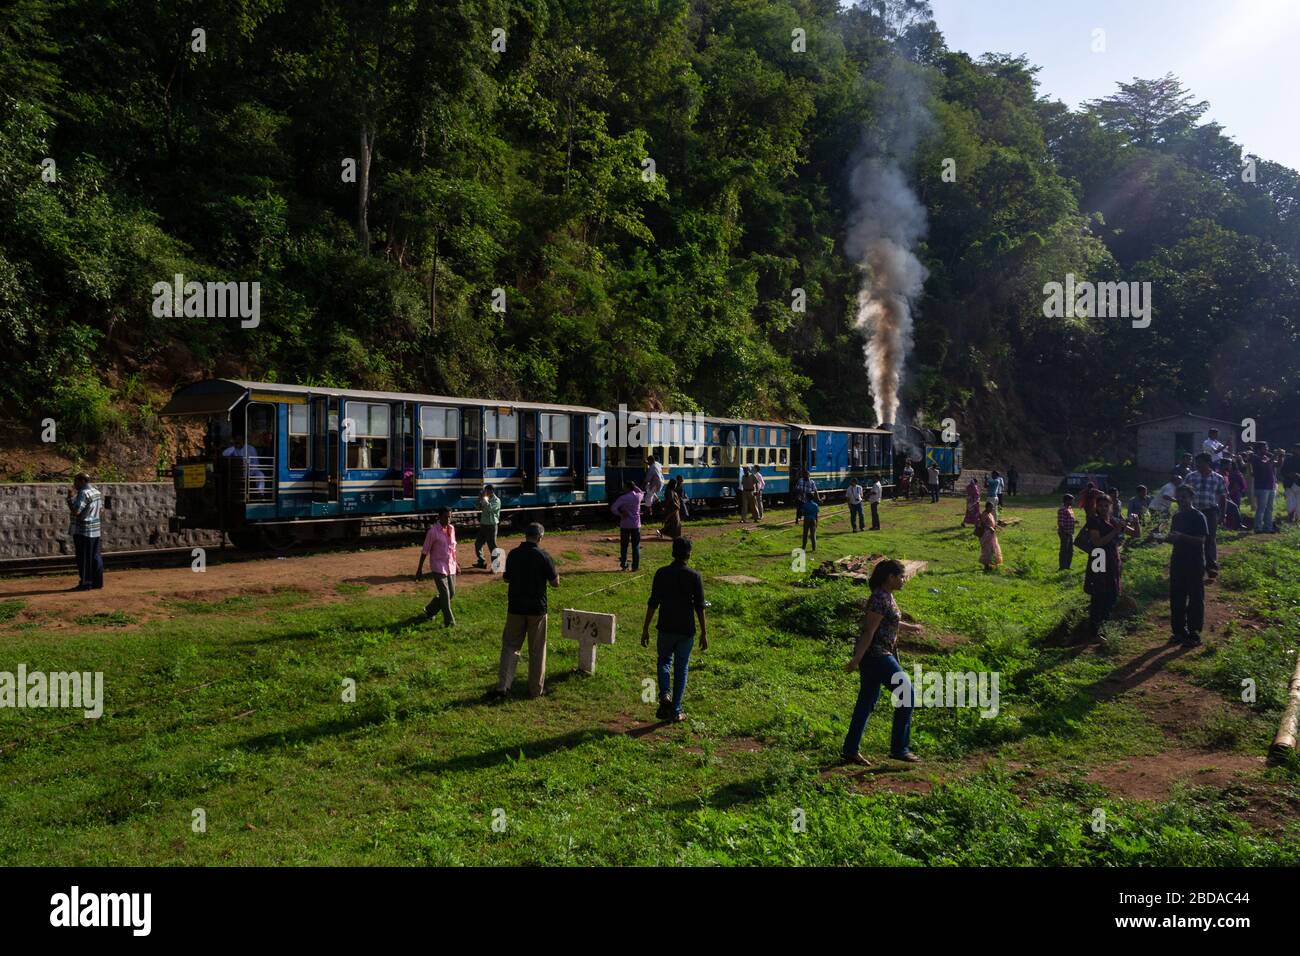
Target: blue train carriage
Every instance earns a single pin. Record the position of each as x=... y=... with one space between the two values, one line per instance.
x=835 y=454
x=707 y=452
x=273 y=463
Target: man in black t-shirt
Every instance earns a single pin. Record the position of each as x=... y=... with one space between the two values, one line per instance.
x=1188 y=532
x=678 y=595
x=529 y=570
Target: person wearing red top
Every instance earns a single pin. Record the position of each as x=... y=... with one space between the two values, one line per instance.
x=440 y=549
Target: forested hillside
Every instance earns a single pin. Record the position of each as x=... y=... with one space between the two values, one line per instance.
x=648 y=181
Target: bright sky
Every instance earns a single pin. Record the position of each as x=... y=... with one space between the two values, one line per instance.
x=1243 y=56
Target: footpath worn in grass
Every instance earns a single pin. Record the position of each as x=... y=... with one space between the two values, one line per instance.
x=236 y=708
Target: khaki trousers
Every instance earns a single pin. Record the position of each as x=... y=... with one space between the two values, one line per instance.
x=518 y=628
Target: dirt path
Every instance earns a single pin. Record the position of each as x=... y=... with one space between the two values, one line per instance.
x=145 y=594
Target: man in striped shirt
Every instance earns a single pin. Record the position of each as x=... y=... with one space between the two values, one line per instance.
x=1209 y=491
x=85 y=502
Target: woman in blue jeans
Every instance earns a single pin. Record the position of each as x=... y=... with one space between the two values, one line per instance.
x=875 y=658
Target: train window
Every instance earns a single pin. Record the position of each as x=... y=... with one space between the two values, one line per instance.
x=369 y=445
x=555 y=441
x=689 y=455
x=502 y=433
x=715 y=456
x=439 y=428
x=674 y=455
x=749 y=456
x=730 y=452
x=593 y=462
x=299 y=440
x=785 y=455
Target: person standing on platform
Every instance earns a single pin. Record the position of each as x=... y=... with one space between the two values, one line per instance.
x=86 y=506
x=529 y=571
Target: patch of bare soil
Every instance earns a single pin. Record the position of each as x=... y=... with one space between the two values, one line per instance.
x=1154 y=776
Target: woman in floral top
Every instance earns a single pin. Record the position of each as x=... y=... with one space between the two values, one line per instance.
x=875 y=659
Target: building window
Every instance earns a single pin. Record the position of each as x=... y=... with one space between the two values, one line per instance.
x=502 y=433
x=439 y=428
x=555 y=441
x=369 y=446
x=299 y=438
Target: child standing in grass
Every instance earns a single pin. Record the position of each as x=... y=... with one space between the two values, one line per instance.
x=810 y=511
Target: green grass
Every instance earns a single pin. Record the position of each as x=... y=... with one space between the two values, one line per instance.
x=236 y=707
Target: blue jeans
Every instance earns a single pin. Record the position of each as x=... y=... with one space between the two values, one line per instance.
x=674 y=655
x=856 y=521
x=876 y=671
x=1264 y=498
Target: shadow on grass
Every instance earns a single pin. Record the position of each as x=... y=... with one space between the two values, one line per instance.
x=531 y=750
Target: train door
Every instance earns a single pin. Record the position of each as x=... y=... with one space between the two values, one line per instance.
x=806 y=450
x=325 y=436
x=528 y=467
x=578 y=451
x=403 y=459
x=259 y=450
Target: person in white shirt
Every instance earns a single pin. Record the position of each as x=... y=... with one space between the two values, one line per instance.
x=1213 y=447
x=758 y=491
x=1165 y=497
x=854 y=497
x=873 y=496
x=654 y=482
x=933 y=474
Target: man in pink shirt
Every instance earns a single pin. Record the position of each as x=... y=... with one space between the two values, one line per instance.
x=628 y=508
x=440 y=549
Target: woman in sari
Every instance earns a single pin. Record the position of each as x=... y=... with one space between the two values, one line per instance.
x=672 y=512
x=990 y=550
x=972 y=503
x=1101 y=581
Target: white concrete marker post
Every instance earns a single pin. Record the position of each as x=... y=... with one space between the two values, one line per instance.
x=588 y=628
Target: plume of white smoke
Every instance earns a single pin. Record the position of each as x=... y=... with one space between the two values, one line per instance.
x=886 y=223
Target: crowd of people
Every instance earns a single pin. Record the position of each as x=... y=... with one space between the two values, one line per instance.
x=1204 y=492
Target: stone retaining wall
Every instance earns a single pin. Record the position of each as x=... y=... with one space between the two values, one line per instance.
x=1027 y=485
x=34 y=519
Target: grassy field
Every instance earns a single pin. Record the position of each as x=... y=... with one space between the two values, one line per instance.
x=235 y=707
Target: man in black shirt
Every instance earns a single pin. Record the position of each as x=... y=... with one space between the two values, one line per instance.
x=678 y=595
x=528 y=571
x=1188 y=532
